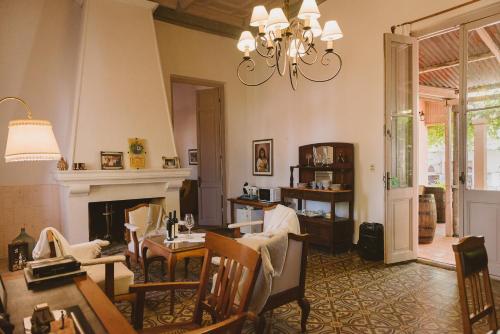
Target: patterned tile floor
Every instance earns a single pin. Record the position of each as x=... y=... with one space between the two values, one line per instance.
x=350 y=295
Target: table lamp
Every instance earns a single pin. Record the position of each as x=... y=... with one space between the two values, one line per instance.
x=30 y=139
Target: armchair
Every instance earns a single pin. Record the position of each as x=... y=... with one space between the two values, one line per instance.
x=108 y=272
x=290 y=285
x=142 y=220
x=227 y=304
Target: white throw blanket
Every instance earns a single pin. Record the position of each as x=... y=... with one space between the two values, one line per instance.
x=272 y=244
x=81 y=252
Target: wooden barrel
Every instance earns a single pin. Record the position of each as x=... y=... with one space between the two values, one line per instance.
x=426 y=218
x=439 y=196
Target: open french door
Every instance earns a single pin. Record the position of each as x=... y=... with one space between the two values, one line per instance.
x=480 y=135
x=401 y=194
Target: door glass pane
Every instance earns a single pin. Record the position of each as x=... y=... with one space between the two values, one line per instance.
x=402 y=152
x=483 y=108
x=402 y=116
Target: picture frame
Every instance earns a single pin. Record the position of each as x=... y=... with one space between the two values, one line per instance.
x=18 y=255
x=262 y=157
x=137 y=153
x=111 y=160
x=193 y=156
x=170 y=162
x=3 y=296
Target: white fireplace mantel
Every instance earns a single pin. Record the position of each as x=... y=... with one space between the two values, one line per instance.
x=83 y=187
x=79 y=182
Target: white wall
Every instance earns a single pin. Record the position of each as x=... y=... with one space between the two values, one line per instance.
x=39 y=40
x=122 y=93
x=185 y=128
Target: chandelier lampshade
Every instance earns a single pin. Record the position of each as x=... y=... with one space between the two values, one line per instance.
x=246 y=42
x=277 y=20
x=309 y=10
x=283 y=44
x=30 y=139
x=259 y=16
x=331 y=31
x=316 y=28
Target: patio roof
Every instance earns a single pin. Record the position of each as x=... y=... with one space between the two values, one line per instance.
x=439 y=60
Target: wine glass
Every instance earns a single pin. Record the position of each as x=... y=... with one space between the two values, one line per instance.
x=189 y=223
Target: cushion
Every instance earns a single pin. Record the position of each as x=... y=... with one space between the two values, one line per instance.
x=124 y=277
x=139 y=218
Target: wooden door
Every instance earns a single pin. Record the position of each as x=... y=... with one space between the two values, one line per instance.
x=210 y=155
x=401 y=195
x=479 y=137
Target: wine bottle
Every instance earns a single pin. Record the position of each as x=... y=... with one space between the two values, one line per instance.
x=175 y=228
x=170 y=236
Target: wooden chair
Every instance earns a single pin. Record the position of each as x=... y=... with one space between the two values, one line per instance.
x=241 y=266
x=476 y=297
x=134 y=234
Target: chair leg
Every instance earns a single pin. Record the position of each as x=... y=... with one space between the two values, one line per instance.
x=259 y=324
x=127 y=260
x=306 y=308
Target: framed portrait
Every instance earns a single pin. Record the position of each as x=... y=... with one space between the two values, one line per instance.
x=3 y=297
x=263 y=157
x=193 y=156
x=111 y=160
x=137 y=153
x=18 y=255
x=172 y=162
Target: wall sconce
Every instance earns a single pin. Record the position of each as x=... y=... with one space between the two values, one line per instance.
x=422 y=116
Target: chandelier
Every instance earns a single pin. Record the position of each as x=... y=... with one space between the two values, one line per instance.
x=283 y=44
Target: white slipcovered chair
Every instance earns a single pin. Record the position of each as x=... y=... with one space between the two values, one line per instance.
x=141 y=221
x=109 y=272
x=290 y=285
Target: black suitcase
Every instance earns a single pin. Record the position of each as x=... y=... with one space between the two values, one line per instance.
x=371 y=241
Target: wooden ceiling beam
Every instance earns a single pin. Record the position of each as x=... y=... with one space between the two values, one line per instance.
x=184 y=19
x=437 y=92
x=489 y=42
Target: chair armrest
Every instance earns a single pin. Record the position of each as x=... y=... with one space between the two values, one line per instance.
x=243 y=224
x=87 y=250
x=230 y=323
x=160 y=286
x=104 y=260
x=131 y=227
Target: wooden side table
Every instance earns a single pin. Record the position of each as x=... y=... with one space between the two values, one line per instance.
x=172 y=252
x=248 y=202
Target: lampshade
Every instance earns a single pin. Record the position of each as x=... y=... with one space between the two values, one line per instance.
x=296 y=48
x=259 y=16
x=277 y=20
x=315 y=28
x=31 y=140
x=309 y=10
x=331 y=31
x=246 y=42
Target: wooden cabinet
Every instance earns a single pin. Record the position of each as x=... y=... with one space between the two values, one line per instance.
x=332 y=232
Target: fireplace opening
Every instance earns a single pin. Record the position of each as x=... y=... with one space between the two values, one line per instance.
x=107 y=219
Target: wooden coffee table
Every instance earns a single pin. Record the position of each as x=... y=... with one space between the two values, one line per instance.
x=172 y=252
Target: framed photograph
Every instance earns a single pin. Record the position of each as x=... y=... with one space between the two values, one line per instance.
x=263 y=157
x=193 y=156
x=3 y=297
x=172 y=162
x=111 y=160
x=18 y=255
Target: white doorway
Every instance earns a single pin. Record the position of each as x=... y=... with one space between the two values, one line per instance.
x=198 y=123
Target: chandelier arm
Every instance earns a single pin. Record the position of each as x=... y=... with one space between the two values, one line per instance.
x=293 y=83
x=315 y=57
x=328 y=79
x=251 y=67
x=305 y=39
x=268 y=55
x=26 y=106
x=278 y=56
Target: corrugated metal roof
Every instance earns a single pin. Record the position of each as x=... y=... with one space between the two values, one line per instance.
x=442 y=51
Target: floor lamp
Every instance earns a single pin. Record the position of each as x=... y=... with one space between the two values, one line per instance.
x=30 y=139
